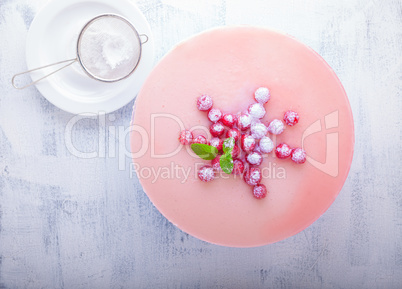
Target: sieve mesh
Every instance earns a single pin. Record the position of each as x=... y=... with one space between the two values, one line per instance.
x=109 y=48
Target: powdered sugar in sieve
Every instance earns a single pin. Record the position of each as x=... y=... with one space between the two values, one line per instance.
x=108 y=49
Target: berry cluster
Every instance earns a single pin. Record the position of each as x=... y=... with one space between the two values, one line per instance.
x=250 y=136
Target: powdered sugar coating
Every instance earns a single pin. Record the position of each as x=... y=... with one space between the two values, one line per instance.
x=283 y=151
x=276 y=126
x=186 y=137
x=260 y=191
x=229 y=119
x=206 y=174
x=217 y=129
x=215 y=114
x=262 y=95
x=216 y=142
x=254 y=158
x=235 y=151
x=256 y=110
x=247 y=143
x=298 y=155
x=258 y=130
x=244 y=121
x=204 y=102
x=253 y=176
x=238 y=167
x=200 y=139
x=234 y=133
x=266 y=145
x=291 y=117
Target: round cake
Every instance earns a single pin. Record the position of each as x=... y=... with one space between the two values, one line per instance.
x=229 y=65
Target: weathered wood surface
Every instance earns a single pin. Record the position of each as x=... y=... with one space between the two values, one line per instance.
x=67 y=222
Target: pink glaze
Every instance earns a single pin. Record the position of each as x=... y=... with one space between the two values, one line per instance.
x=229 y=64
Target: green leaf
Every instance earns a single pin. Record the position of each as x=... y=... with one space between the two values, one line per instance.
x=226 y=163
x=228 y=145
x=204 y=151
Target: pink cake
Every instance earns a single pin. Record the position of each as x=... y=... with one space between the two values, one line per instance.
x=229 y=64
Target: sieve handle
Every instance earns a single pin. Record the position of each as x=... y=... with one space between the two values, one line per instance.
x=146 y=38
x=71 y=61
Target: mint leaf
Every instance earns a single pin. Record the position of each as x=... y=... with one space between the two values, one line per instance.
x=204 y=151
x=226 y=163
x=228 y=145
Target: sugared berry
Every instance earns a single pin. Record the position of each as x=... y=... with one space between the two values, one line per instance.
x=291 y=117
x=186 y=137
x=229 y=119
x=204 y=102
x=247 y=143
x=244 y=121
x=256 y=110
x=260 y=191
x=254 y=143
x=206 y=174
x=216 y=142
x=234 y=133
x=252 y=176
x=258 y=130
x=254 y=158
x=266 y=145
x=276 y=126
x=298 y=155
x=216 y=163
x=283 y=151
x=238 y=167
x=214 y=115
x=217 y=129
x=262 y=95
x=200 y=139
x=235 y=152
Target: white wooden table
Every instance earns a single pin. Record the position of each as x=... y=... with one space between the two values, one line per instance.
x=68 y=222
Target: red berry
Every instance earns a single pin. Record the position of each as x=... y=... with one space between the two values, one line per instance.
x=258 y=130
x=229 y=119
x=217 y=129
x=262 y=95
x=253 y=176
x=186 y=137
x=206 y=174
x=238 y=167
x=214 y=115
x=291 y=117
x=234 y=133
x=256 y=110
x=260 y=191
x=283 y=151
x=254 y=158
x=216 y=165
x=244 y=121
x=216 y=142
x=266 y=145
x=204 y=102
x=200 y=139
x=235 y=152
x=298 y=155
x=247 y=143
x=276 y=126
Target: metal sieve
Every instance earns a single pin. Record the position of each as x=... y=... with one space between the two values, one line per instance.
x=108 y=49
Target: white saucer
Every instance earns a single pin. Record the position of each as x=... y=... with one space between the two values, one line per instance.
x=53 y=36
